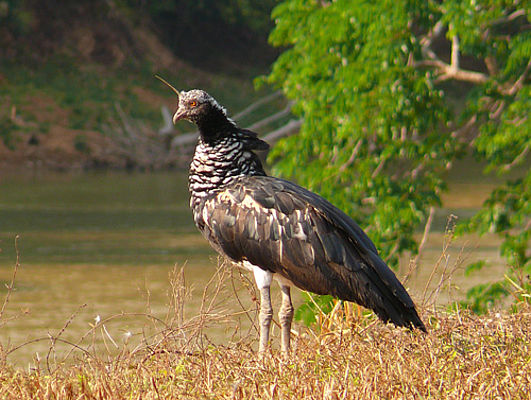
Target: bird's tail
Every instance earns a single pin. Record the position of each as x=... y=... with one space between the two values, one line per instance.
x=392 y=302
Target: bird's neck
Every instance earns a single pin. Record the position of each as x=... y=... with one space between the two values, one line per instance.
x=217 y=163
x=214 y=124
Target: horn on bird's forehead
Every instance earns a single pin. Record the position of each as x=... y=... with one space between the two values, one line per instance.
x=168 y=84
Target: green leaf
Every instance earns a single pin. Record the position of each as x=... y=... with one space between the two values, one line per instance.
x=473 y=267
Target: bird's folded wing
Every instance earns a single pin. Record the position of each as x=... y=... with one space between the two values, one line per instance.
x=286 y=229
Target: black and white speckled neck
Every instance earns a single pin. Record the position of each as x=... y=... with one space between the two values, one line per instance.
x=217 y=163
x=224 y=151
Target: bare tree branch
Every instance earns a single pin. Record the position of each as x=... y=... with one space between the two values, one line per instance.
x=291 y=127
x=128 y=128
x=184 y=139
x=520 y=81
x=511 y=17
x=447 y=71
x=517 y=159
x=352 y=157
x=464 y=129
x=378 y=168
x=454 y=63
x=167 y=128
x=427 y=40
x=257 y=104
x=272 y=118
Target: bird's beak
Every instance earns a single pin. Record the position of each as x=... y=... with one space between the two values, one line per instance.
x=177 y=115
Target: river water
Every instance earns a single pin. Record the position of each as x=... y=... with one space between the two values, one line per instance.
x=101 y=244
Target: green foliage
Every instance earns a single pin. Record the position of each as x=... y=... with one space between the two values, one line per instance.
x=15 y=16
x=7 y=129
x=370 y=121
x=86 y=92
x=482 y=297
x=80 y=143
x=473 y=267
x=312 y=307
x=376 y=88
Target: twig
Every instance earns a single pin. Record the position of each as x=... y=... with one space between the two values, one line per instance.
x=427 y=40
x=517 y=159
x=191 y=137
x=125 y=121
x=520 y=81
x=13 y=278
x=447 y=273
x=291 y=127
x=446 y=245
x=54 y=339
x=352 y=157
x=74 y=345
x=378 y=168
x=512 y=16
x=465 y=128
x=253 y=295
x=423 y=241
x=184 y=139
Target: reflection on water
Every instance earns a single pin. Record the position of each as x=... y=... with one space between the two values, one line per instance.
x=104 y=243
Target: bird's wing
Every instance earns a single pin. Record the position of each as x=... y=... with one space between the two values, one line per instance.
x=251 y=141
x=286 y=229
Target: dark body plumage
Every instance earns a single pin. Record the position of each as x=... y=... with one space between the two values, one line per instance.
x=277 y=228
x=288 y=230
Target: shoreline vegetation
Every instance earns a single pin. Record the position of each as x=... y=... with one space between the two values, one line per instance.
x=346 y=354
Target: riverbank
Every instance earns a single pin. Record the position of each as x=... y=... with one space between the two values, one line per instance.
x=348 y=357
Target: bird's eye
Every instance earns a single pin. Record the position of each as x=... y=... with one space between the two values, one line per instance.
x=193 y=103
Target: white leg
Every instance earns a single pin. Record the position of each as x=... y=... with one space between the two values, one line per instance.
x=263 y=281
x=285 y=315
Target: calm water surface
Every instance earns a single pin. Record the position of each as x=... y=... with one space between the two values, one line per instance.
x=101 y=244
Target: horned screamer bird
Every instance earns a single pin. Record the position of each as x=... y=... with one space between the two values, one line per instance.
x=278 y=229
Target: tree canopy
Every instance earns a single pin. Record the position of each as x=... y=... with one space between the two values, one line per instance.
x=392 y=93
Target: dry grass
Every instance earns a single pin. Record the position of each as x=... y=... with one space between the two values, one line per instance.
x=351 y=356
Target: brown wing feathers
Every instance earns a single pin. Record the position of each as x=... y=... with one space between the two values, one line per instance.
x=286 y=229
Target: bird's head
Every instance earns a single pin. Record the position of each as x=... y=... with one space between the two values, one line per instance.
x=195 y=105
